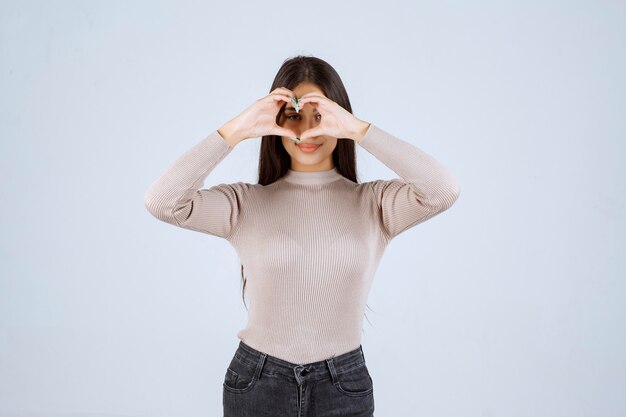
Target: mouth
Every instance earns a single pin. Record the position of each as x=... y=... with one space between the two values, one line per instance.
x=308 y=147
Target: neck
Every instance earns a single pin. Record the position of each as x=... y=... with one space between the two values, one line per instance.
x=312 y=177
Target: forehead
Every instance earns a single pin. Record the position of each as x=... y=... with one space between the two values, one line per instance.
x=305 y=88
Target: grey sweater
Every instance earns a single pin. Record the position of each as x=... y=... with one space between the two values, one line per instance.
x=310 y=242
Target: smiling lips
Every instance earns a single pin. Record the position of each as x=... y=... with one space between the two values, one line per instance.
x=308 y=147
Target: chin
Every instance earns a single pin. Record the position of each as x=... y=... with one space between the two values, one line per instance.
x=309 y=163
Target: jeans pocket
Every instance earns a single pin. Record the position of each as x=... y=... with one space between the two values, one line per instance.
x=239 y=377
x=355 y=381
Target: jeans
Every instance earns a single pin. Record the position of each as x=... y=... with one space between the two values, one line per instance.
x=260 y=385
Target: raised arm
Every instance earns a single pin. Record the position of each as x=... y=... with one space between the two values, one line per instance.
x=425 y=187
x=176 y=198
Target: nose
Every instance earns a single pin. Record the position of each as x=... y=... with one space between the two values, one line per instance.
x=307 y=124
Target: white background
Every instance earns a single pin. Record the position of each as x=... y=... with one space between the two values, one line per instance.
x=509 y=304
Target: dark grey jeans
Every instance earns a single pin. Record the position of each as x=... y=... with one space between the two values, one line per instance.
x=260 y=385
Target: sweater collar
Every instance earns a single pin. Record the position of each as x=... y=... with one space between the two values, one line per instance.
x=312 y=177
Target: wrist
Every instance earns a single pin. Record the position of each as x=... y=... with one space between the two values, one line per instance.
x=230 y=134
x=360 y=131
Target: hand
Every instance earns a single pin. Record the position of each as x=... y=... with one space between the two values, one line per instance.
x=336 y=121
x=259 y=119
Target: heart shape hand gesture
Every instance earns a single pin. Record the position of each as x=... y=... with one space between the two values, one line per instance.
x=259 y=119
x=336 y=121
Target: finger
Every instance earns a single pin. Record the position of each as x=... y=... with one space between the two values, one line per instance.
x=314 y=95
x=320 y=100
x=279 y=97
x=283 y=90
x=311 y=133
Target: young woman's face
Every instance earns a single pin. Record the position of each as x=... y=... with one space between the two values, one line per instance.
x=303 y=159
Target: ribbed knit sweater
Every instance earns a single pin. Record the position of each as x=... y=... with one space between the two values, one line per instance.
x=310 y=242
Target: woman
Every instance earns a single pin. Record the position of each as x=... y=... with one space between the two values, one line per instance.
x=309 y=236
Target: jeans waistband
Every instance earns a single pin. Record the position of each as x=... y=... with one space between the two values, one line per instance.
x=268 y=364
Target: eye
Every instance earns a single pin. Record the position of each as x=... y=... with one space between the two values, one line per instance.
x=295 y=115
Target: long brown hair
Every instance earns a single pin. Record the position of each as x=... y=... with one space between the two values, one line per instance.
x=274 y=161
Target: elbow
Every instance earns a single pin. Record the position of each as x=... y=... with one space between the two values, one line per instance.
x=150 y=203
x=156 y=205
x=166 y=209
x=452 y=190
x=446 y=196
x=453 y=193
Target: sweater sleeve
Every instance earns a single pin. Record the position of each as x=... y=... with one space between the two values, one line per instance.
x=176 y=198
x=425 y=187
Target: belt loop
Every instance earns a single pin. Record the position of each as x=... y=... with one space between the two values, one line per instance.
x=330 y=362
x=259 y=366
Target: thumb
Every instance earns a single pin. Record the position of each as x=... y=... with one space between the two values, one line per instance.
x=311 y=133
